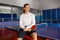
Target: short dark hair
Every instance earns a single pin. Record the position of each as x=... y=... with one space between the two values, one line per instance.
x=24 y=7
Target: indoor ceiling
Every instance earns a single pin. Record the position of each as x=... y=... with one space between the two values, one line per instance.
x=48 y=4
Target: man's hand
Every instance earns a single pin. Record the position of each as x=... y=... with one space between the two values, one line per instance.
x=25 y=29
x=29 y=29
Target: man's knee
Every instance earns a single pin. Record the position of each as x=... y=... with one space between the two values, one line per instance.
x=34 y=34
x=19 y=38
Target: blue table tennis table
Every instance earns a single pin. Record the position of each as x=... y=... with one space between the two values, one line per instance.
x=50 y=30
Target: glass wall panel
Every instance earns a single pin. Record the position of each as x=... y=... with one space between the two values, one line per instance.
x=5 y=13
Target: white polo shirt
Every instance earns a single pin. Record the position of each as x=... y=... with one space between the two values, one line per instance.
x=27 y=19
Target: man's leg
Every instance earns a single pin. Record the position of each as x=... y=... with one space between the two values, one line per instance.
x=20 y=39
x=34 y=35
x=21 y=34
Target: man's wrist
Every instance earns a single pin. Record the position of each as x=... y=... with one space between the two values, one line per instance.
x=23 y=28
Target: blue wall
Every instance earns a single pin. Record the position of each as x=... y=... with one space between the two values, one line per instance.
x=51 y=14
x=7 y=17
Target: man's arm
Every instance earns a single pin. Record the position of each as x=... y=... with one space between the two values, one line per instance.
x=21 y=22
